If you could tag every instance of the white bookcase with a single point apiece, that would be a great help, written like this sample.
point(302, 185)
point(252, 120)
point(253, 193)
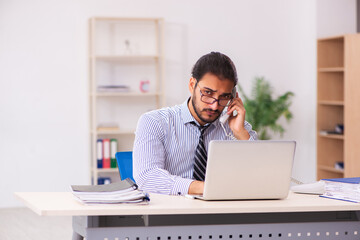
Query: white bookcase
point(123, 52)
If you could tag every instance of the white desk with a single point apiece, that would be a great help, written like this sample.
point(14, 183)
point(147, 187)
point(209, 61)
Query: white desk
point(176, 217)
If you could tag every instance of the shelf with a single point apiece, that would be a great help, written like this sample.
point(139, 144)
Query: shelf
point(124, 52)
point(338, 71)
point(336, 38)
point(332, 103)
point(116, 19)
point(330, 169)
point(332, 136)
point(107, 170)
point(126, 57)
point(125, 94)
point(331, 69)
point(116, 132)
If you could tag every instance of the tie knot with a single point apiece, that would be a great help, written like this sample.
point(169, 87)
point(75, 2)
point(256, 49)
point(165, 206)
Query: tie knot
point(201, 128)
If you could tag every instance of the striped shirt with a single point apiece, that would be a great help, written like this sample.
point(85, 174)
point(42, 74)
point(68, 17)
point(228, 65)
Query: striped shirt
point(164, 148)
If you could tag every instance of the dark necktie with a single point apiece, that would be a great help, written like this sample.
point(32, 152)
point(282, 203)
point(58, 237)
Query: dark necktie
point(200, 156)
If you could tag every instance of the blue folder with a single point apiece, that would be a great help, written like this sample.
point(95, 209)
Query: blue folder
point(354, 180)
point(125, 165)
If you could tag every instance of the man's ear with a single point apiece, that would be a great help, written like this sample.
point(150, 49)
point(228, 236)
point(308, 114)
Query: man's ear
point(192, 84)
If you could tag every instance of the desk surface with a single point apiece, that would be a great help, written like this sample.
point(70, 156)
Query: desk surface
point(64, 204)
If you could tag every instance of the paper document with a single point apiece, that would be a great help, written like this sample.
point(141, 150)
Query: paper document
point(120, 192)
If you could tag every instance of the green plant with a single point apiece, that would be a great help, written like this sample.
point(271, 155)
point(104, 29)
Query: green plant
point(262, 112)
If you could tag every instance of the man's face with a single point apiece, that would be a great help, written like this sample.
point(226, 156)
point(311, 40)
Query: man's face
point(208, 86)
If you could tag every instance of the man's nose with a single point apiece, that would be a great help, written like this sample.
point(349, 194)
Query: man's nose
point(214, 105)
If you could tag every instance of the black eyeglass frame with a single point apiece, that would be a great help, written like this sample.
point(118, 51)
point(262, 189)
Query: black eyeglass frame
point(202, 95)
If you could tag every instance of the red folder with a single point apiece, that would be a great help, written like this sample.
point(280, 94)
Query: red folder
point(106, 151)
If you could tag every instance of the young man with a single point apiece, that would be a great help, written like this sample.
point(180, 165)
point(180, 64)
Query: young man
point(170, 147)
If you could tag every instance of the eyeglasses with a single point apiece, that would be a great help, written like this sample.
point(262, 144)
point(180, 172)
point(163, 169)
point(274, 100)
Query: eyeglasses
point(222, 101)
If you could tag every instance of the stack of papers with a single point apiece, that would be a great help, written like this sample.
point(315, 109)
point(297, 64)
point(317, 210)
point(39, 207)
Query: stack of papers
point(120, 192)
point(346, 189)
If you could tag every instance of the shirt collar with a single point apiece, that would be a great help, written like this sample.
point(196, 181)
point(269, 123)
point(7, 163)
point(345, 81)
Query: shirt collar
point(187, 117)
point(186, 114)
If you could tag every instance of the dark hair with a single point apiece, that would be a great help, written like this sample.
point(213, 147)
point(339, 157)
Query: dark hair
point(216, 63)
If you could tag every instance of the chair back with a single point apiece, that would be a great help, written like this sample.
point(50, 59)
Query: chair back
point(124, 161)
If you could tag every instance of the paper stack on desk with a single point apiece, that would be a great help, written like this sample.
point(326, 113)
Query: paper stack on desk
point(119, 192)
point(346, 189)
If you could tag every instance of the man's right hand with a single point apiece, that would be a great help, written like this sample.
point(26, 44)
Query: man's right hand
point(196, 188)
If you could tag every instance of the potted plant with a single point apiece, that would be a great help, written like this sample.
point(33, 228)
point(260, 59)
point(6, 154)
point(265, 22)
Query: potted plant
point(262, 111)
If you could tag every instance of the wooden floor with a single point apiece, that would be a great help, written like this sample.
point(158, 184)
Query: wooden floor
point(23, 224)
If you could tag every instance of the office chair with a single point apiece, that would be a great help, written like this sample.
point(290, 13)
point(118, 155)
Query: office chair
point(124, 161)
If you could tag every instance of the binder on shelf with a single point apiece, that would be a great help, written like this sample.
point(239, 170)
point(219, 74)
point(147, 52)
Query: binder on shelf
point(99, 153)
point(345, 189)
point(104, 180)
point(106, 153)
point(339, 165)
point(113, 151)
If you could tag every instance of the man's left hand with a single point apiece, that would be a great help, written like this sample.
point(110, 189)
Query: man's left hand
point(236, 123)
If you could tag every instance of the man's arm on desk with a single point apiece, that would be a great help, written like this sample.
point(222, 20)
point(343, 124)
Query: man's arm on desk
point(149, 160)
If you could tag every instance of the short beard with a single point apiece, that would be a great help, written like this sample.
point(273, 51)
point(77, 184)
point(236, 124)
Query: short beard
point(198, 114)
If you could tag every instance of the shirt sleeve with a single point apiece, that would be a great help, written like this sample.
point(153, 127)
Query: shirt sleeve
point(149, 158)
point(252, 133)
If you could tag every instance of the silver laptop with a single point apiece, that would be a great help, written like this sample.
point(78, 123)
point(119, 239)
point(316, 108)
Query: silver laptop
point(248, 170)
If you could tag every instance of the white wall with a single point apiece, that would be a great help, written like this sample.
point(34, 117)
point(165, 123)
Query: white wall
point(44, 140)
point(335, 17)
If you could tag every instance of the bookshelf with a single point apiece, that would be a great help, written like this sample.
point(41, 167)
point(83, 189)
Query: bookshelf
point(338, 101)
point(125, 53)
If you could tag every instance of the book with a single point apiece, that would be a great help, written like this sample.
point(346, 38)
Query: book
point(113, 150)
point(99, 153)
point(125, 191)
point(113, 88)
point(107, 129)
point(106, 153)
point(325, 132)
point(108, 126)
point(346, 189)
